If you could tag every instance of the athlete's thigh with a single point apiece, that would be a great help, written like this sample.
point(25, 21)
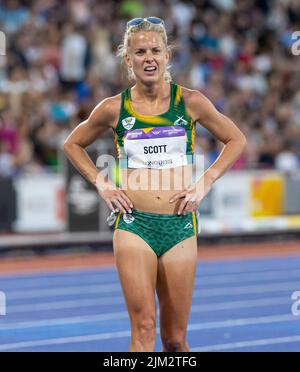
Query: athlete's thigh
point(137, 268)
point(175, 283)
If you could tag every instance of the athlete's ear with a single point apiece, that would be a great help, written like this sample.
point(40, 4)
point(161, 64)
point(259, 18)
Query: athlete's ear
point(127, 60)
point(168, 55)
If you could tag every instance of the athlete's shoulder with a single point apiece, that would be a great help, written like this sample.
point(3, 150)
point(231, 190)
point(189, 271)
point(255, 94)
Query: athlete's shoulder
point(111, 104)
point(196, 102)
point(108, 110)
point(192, 96)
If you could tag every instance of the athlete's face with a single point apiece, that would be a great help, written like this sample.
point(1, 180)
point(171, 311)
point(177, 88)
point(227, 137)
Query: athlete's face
point(147, 56)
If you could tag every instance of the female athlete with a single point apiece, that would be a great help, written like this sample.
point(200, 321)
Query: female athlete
point(154, 242)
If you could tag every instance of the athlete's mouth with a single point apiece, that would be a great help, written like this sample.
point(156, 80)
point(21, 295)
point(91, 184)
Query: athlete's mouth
point(150, 69)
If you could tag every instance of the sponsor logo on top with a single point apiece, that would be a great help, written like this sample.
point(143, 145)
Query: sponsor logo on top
point(180, 121)
point(156, 131)
point(133, 134)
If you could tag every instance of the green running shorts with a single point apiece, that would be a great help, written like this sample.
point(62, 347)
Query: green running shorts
point(160, 231)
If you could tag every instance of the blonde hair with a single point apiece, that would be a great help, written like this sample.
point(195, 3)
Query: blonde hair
point(144, 26)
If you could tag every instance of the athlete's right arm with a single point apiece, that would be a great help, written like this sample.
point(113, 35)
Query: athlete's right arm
point(101, 118)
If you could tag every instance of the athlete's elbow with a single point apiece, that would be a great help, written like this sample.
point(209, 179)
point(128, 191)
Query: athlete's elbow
point(68, 146)
point(242, 141)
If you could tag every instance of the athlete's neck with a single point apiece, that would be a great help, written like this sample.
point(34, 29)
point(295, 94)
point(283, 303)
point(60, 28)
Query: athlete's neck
point(152, 94)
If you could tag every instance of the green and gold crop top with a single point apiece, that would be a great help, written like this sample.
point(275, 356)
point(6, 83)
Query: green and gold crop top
point(161, 141)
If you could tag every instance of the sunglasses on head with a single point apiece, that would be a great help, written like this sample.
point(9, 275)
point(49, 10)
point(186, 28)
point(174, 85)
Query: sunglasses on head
point(138, 21)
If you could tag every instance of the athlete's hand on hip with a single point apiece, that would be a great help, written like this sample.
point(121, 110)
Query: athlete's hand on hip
point(192, 196)
point(114, 197)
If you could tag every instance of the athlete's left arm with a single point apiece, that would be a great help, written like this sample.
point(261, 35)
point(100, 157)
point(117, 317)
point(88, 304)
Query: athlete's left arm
point(203, 111)
point(223, 128)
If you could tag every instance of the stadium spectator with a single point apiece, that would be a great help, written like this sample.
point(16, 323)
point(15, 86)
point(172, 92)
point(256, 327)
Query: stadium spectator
point(61, 60)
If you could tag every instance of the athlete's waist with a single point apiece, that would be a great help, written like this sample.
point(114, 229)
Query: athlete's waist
point(152, 215)
point(154, 201)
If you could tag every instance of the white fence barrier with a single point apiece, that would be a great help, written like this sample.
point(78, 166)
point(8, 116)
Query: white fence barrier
point(239, 201)
point(40, 203)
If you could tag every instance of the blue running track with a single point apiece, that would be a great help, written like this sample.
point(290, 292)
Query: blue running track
point(238, 305)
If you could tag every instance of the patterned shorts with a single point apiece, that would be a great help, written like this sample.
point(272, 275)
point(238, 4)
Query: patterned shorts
point(160, 231)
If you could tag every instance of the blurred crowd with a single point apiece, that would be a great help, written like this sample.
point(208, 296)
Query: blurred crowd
point(61, 61)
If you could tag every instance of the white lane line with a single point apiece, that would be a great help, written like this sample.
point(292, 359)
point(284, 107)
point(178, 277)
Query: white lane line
point(56, 292)
point(64, 321)
point(49, 306)
point(199, 279)
point(244, 278)
point(99, 278)
point(59, 305)
point(124, 315)
point(121, 334)
point(207, 269)
point(232, 305)
point(67, 272)
point(65, 340)
point(243, 322)
point(244, 290)
point(99, 289)
point(239, 265)
point(253, 343)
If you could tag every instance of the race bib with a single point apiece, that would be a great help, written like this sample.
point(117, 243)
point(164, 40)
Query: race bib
point(159, 148)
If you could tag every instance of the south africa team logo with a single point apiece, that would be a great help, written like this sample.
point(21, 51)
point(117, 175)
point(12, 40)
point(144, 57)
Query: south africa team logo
point(128, 123)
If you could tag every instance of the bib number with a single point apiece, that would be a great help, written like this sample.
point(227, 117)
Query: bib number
point(158, 148)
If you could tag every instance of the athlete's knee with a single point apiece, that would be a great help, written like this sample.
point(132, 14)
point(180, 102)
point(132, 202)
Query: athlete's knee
point(145, 328)
point(174, 343)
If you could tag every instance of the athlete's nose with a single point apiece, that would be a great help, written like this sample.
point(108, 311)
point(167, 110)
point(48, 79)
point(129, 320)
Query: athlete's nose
point(149, 56)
